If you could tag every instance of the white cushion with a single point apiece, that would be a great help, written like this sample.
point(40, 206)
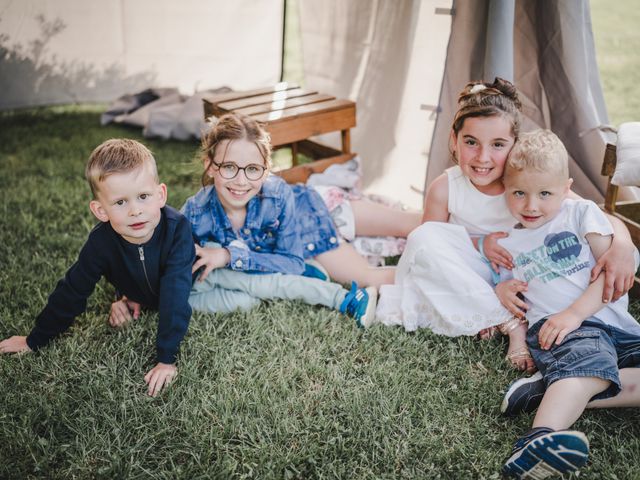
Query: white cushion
point(627, 156)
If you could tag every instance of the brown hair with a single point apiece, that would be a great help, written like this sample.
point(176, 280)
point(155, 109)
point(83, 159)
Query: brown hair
point(117, 155)
point(233, 126)
point(483, 99)
point(540, 150)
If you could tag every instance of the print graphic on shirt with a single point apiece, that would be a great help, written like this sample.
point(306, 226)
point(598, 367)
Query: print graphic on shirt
point(557, 257)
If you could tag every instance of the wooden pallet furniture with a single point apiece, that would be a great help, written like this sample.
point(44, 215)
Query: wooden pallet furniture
point(627, 211)
point(292, 115)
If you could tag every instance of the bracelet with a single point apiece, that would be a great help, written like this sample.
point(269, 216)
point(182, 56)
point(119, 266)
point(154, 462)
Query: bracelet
point(495, 277)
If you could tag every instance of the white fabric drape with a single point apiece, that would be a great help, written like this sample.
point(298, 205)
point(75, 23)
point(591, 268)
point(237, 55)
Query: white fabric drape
point(97, 50)
point(387, 56)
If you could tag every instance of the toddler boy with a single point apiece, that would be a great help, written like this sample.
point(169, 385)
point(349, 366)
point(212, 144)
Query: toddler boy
point(587, 351)
point(141, 246)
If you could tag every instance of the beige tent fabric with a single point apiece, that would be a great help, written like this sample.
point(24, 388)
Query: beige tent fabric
point(75, 50)
point(388, 57)
point(554, 68)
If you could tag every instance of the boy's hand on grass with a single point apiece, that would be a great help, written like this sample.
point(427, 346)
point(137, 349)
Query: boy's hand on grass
point(557, 328)
point(160, 376)
point(507, 292)
point(210, 258)
point(497, 255)
point(15, 344)
point(123, 311)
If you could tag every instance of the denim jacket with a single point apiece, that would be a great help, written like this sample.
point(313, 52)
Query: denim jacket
point(269, 240)
point(283, 225)
point(317, 231)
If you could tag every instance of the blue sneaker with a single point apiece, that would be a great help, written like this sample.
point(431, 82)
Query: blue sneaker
point(523, 395)
point(313, 269)
point(360, 303)
point(542, 453)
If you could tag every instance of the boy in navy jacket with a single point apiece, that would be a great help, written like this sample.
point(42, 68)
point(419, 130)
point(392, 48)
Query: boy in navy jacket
point(144, 248)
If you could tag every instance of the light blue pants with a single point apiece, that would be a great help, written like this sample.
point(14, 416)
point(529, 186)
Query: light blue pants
point(226, 290)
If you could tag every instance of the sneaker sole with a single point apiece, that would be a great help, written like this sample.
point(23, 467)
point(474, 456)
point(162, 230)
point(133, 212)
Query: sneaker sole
point(553, 454)
point(519, 398)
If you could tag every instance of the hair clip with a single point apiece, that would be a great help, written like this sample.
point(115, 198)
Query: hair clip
point(478, 87)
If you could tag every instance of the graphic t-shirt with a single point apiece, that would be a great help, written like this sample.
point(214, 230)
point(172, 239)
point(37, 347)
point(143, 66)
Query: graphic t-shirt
point(556, 261)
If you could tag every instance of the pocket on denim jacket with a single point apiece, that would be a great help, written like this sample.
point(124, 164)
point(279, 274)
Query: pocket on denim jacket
point(309, 226)
point(266, 237)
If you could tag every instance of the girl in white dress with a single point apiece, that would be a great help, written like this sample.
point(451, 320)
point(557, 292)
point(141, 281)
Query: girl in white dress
point(444, 279)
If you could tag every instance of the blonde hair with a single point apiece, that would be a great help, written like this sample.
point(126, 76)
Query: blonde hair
point(234, 126)
point(540, 150)
point(117, 155)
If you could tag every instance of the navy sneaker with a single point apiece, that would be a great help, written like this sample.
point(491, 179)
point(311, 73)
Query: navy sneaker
point(360, 303)
point(543, 452)
point(523, 395)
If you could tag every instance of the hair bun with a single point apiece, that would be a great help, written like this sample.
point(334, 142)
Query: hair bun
point(475, 92)
point(508, 89)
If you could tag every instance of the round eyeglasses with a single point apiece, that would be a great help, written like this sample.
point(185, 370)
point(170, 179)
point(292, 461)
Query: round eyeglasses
point(230, 170)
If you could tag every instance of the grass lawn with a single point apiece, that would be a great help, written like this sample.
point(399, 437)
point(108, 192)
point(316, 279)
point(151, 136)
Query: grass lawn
point(286, 391)
point(617, 41)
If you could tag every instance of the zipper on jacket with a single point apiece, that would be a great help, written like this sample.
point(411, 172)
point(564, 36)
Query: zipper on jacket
point(144, 268)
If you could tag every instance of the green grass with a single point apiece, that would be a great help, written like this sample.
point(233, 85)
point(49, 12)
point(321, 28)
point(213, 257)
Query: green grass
point(285, 391)
point(617, 39)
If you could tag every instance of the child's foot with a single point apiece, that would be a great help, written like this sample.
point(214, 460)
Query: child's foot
point(360, 303)
point(523, 395)
point(542, 453)
point(518, 353)
point(488, 333)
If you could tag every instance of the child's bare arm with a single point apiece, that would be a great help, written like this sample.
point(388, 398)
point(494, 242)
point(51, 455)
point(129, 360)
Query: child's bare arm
point(15, 344)
point(160, 376)
point(436, 202)
point(617, 262)
point(561, 324)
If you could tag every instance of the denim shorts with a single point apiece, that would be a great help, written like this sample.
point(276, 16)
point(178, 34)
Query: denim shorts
point(593, 350)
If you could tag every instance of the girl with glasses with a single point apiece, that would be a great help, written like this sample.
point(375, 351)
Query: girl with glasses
point(245, 220)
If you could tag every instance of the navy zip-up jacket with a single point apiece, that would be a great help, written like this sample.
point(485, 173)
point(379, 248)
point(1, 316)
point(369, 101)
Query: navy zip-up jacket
point(156, 274)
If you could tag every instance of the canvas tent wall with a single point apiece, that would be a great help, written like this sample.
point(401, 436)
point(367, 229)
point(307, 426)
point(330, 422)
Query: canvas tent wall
point(96, 50)
point(402, 61)
point(545, 47)
point(388, 57)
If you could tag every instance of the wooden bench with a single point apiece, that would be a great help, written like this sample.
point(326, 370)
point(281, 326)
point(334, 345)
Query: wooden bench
point(291, 115)
point(627, 211)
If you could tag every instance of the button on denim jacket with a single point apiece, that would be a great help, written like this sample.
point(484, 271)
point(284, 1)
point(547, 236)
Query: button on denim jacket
point(284, 224)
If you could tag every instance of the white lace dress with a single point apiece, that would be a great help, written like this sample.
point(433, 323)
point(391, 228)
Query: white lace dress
point(442, 281)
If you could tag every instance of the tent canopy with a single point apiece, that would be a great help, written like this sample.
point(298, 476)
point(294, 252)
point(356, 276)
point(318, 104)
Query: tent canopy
point(403, 63)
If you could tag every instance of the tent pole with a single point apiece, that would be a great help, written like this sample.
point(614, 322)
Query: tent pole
point(284, 38)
